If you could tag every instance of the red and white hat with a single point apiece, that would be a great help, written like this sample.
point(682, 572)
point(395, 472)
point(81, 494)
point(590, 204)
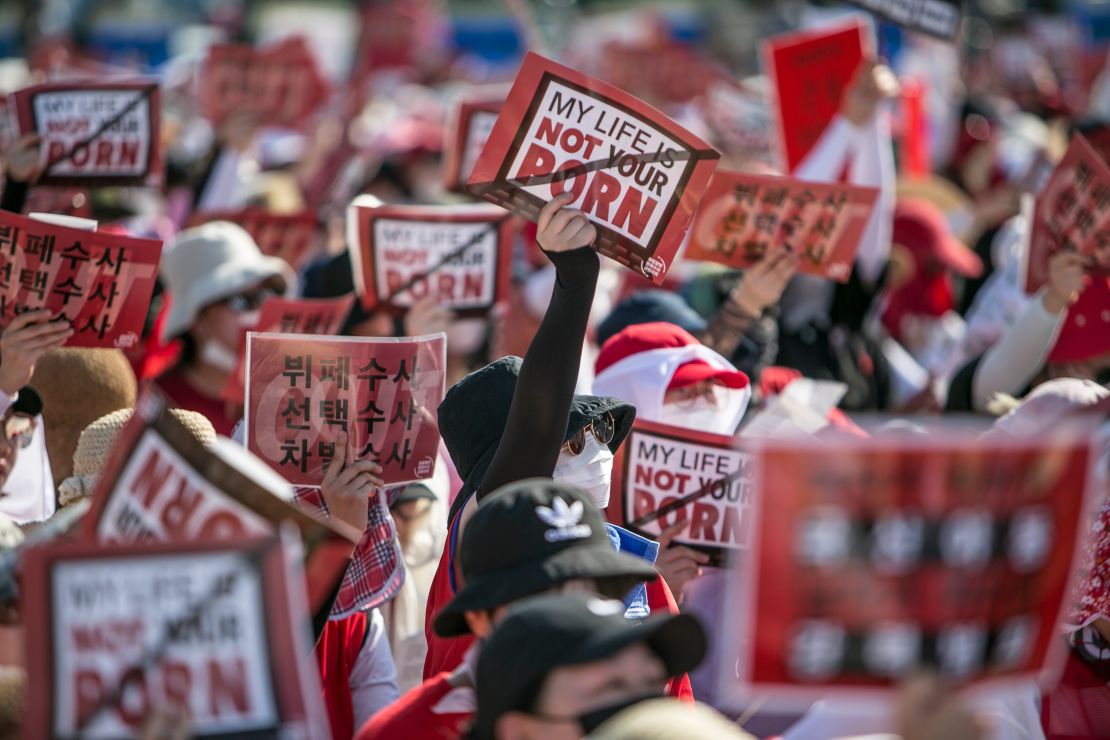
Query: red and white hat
point(642, 362)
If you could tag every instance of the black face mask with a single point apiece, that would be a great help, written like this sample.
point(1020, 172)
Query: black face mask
point(590, 721)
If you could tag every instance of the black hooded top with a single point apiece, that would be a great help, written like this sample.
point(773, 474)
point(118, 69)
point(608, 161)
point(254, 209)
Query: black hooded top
point(507, 421)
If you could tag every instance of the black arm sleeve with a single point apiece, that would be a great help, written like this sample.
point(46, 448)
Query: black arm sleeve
point(15, 195)
point(540, 410)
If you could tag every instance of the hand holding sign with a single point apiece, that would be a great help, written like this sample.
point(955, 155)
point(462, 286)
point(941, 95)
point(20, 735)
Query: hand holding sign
point(872, 84)
point(561, 229)
point(22, 161)
point(1066, 280)
point(347, 488)
point(678, 565)
point(762, 285)
point(30, 336)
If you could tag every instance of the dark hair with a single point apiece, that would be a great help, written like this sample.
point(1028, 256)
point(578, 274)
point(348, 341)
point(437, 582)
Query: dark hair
point(189, 350)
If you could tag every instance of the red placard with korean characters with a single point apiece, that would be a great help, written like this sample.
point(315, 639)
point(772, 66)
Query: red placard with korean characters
point(279, 83)
point(873, 558)
point(1071, 214)
point(303, 392)
point(161, 484)
point(470, 128)
point(669, 474)
point(809, 71)
point(402, 254)
point(218, 631)
point(290, 236)
point(637, 175)
point(743, 217)
point(101, 283)
point(289, 316)
point(102, 133)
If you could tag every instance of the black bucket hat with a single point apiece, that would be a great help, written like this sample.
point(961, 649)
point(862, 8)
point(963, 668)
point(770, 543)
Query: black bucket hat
point(529, 537)
point(474, 412)
point(551, 631)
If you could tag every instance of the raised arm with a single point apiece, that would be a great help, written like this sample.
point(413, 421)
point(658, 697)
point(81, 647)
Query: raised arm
point(540, 410)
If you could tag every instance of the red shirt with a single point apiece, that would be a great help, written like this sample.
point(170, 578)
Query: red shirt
point(1079, 706)
point(184, 396)
point(336, 654)
point(411, 716)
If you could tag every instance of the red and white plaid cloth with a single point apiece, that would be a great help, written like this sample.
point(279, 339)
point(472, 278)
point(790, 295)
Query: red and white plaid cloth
point(1093, 599)
point(377, 569)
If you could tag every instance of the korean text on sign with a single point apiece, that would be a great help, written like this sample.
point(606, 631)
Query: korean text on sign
point(743, 217)
point(874, 558)
point(303, 392)
point(100, 283)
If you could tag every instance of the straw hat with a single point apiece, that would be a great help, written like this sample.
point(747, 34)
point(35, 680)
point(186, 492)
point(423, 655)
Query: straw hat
point(97, 441)
point(77, 387)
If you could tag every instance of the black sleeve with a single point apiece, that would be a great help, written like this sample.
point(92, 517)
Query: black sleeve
point(15, 195)
point(540, 410)
point(960, 388)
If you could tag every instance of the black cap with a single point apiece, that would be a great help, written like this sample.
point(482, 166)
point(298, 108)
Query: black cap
point(556, 630)
point(411, 492)
point(28, 402)
point(649, 306)
point(529, 537)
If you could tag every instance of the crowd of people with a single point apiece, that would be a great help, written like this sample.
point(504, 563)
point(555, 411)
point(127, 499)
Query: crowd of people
point(516, 609)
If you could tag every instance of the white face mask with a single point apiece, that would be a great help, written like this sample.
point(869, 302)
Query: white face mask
point(719, 416)
point(214, 353)
point(591, 470)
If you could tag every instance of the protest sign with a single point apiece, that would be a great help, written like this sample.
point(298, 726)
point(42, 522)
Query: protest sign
point(872, 558)
point(633, 172)
point(461, 255)
point(279, 84)
point(809, 72)
point(161, 484)
point(743, 217)
point(470, 128)
point(940, 18)
point(289, 316)
point(289, 236)
point(302, 392)
point(218, 632)
point(102, 133)
point(661, 72)
point(100, 283)
point(659, 466)
point(740, 118)
point(1071, 214)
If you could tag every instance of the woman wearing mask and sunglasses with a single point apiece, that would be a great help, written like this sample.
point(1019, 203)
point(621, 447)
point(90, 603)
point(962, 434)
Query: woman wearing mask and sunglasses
point(217, 279)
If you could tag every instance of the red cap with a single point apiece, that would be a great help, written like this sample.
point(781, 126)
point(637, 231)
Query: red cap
point(921, 227)
point(661, 335)
point(1086, 330)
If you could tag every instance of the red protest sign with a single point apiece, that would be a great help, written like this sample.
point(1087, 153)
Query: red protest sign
point(280, 83)
point(809, 71)
point(215, 631)
point(660, 465)
point(103, 133)
point(874, 557)
point(742, 217)
point(289, 316)
point(302, 392)
point(161, 484)
point(402, 254)
point(663, 72)
point(470, 128)
point(633, 172)
point(1071, 214)
point(289, 236)
point(101, 283)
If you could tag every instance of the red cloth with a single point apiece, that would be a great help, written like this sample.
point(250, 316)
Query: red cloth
point(655, 335)
point(412, 715)
point(1079, 707)
point(184, 396)
point(336, 653)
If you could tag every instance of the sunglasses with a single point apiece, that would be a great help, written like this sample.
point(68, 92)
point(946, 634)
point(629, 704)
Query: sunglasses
point(19, 430)
point(603, 429)
point(249, 301)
